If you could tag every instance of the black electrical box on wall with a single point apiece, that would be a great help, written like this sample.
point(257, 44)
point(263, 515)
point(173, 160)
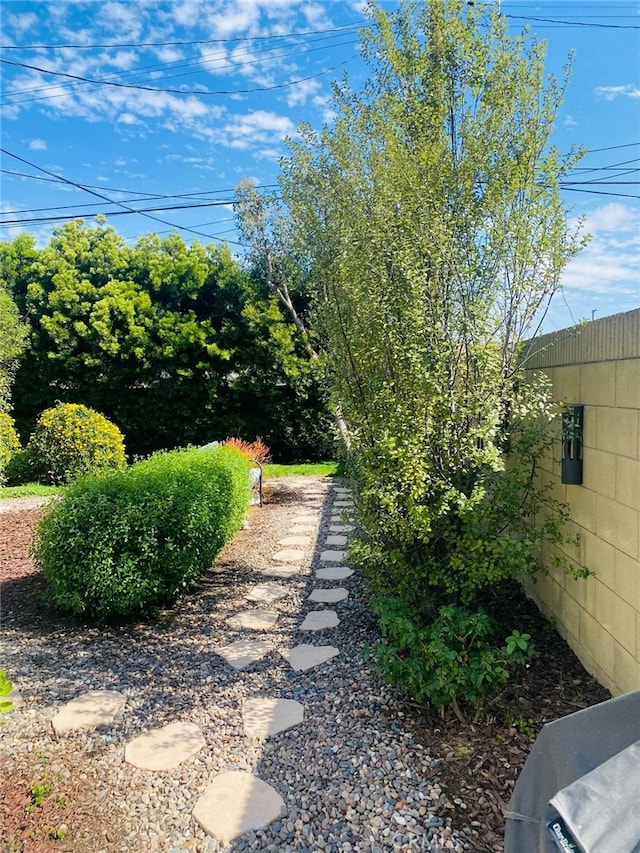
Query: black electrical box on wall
point(572, 431)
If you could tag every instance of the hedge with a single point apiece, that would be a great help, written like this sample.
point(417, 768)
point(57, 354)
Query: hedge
point(119, 544)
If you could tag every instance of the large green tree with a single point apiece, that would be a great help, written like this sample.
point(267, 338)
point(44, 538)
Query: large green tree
point(174, 343)
point(434, 232)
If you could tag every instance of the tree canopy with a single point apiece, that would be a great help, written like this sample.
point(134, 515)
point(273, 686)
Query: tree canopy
point(176, 344)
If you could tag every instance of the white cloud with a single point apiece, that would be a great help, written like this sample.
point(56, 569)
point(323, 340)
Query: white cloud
point(298, 94)
point(569, 121)
point(629, 90)
point(251, 131)
point(21, 23)
point(608, 266)
point(37, 145)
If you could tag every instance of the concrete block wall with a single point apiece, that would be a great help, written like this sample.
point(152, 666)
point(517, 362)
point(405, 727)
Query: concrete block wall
point(598, 365)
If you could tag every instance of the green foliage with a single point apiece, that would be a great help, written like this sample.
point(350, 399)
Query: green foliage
point(9, 442)
point(13, 335)
point(454, 660)
point(22, 468)
point(430, 219)
point(177, 344)
point(70, 440)
point(6, 687)
point(119, 544)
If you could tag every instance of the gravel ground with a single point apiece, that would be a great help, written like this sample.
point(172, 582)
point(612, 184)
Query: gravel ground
point(353, 775)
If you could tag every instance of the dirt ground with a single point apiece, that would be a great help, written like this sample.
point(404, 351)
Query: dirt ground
point(479, 763)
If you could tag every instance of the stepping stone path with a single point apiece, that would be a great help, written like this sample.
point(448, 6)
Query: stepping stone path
point(254, 620)
point(237, 802)
point(333, 556)
point(267, 593)
point(319, 620)
point(263, 718)
point(329, 596)
point(243, 653)
point(165, 748)
point(304, 657)
point(334, 573)
point(92, 709)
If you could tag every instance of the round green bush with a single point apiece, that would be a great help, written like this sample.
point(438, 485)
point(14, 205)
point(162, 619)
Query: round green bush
point(119, 544)
point(9, 442)
point(70, 439)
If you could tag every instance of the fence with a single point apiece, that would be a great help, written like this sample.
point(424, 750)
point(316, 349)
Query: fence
point(597, 365)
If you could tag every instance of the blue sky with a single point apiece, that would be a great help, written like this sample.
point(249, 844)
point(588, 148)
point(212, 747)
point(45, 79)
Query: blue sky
point(207, 90)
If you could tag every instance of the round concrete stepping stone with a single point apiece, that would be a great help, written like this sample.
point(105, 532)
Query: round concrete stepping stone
point(305, 518)
point(334, 573)
point(242, 653)
point(341, 528)
point(333, 556)
point(254, 620)
point(289, 555)
point(318, 620)
point(329, 596)
point(237, 802)
point(267, 593)
point(335, 540)
point(165, 748)
point(302, 529)
point(284, 572)
point(264, 718)
point(92, 709)
point(295, 540)
point(304, 657)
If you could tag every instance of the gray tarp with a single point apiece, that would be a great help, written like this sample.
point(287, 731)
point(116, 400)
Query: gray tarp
point(565, 751)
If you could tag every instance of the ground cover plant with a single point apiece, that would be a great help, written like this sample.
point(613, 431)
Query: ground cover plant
point(119, 544)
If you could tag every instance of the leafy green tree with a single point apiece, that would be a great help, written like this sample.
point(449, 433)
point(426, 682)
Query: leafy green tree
point(13, 335)
point(173, 343)
point(435, 234)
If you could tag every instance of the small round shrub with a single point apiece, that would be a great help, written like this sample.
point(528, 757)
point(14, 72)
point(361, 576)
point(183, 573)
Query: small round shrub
point(119, 544)
point(9, 442)
point(70, 439)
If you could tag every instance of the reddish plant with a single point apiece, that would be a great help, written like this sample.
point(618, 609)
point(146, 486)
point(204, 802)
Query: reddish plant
point(256, 450)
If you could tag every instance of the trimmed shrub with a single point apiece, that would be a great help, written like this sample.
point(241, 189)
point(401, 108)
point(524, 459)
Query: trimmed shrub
point(70, 440)
point(9, 442)
point(119, 544)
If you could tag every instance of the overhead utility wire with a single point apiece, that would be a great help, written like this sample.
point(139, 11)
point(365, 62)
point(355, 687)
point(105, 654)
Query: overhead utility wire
point(197, 64)
point(173, 91)
point(575, 23)
point(107, 199)
point(132, 192)
point(350, 28)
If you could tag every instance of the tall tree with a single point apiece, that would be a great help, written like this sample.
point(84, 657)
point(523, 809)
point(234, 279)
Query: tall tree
point(435, 235)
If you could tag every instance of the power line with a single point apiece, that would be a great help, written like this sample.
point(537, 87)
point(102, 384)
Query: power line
point(131, 192)
point(575, 23)
point(170, 91)
point(198, 64)
point(189, 43)
point(107, 199)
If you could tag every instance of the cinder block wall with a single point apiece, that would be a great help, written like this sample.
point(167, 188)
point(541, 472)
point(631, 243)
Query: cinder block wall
point(598, 365)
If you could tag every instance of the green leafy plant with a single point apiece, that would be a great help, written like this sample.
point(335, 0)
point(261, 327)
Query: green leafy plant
point(6, 687)
point(70, 440)
point(9, 442)
point(453, 660)
point(40, 791)
point(119, 544)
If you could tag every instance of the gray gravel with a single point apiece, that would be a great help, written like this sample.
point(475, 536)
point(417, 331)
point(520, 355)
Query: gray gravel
point(352, 775)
